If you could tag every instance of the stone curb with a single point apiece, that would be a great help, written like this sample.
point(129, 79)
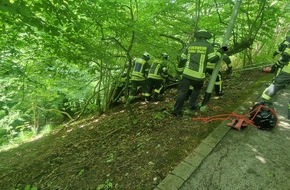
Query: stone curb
point(175, 179)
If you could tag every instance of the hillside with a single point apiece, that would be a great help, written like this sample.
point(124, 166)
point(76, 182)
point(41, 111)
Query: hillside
point(121, 149)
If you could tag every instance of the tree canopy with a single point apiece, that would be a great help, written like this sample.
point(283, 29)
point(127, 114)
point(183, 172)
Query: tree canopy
point(60, 59)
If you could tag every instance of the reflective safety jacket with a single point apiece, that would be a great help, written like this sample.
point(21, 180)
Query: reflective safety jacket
point(286, 68)
point(158, 70)
point(226, 59)
point(140, 70)
point(181, 64)
point(285, 59)
point(198, 54)
point(282, 47)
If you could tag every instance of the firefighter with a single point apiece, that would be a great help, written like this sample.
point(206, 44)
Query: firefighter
point(156, 78)
point(196, 55)
point(180, 67)
point(119, 90)
point(138, 77)
point(210, 66)
point(283, 77)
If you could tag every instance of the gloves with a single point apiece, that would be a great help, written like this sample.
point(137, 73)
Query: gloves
point(267, 70)
point(222, 50)
point(275, 67)
point(225, 48)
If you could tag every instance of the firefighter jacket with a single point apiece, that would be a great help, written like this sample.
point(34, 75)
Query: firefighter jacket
point(282, 47)
point(122, 80)
point(158, 70)
point(285, 59)
point(284, 52)
point(181, 64)
point(226, 59)
point(198, 54)
point(140, 70)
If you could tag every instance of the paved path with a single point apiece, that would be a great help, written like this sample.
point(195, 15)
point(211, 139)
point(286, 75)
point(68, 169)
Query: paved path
point(250, 159)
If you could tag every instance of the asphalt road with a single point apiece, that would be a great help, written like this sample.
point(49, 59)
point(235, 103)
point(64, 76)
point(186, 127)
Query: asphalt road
point(249, 159)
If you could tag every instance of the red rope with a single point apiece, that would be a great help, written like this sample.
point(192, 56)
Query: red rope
point(244, 117)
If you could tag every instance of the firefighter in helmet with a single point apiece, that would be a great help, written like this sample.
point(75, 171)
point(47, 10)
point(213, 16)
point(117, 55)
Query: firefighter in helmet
point(263, 118)
point(156, 78)
point(138, 77)
point(119, 86)
point(282, 78)
point(196, 55)
point(210, 66)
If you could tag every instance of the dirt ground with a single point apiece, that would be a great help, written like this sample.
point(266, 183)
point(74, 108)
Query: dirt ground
point(121, 149)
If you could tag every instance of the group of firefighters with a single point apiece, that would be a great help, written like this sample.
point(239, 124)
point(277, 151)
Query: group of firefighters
point(198, 59)
point(148, 79)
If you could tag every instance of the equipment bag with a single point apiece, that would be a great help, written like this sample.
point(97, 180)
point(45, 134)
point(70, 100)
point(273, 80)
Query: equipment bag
point(264, 116)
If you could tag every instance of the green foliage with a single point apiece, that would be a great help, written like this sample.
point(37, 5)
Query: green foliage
point(59, 59)
point(29, 187)
point(105, 186)
point(159, 116)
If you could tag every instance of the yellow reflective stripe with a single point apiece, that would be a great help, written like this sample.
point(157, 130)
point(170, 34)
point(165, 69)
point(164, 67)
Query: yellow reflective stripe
point(213, 54)
point(201, 63)
point(137, 74)
point(218, 83)
point(183, 56)
point(157, 90)
point(154, 76)
point(180, 69)
point(286, 68)
point(193, 73)
point(265, 96)
point(146, 94)
point(287, 50)
point(197, 49)
point(137, 78)
point(210, 65)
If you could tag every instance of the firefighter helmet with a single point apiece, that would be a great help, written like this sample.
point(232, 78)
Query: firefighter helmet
point(202, 34)
point(146, 56)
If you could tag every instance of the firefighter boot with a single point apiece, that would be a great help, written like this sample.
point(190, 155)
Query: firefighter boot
point(218, 90)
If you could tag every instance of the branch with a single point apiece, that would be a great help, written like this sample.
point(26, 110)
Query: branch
point(174, 38)
point(56, 110)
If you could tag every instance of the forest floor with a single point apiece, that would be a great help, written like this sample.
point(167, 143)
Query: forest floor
point(120, 149)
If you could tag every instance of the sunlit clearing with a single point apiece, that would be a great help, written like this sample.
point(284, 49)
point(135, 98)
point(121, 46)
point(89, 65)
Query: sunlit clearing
point(261, 159)
point(25, 137)
point(122, 111)
point(95, 121)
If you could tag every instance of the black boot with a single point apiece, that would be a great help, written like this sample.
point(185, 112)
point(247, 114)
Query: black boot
point(218, 90)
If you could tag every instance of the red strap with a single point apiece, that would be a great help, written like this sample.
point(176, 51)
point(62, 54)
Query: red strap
point(238, 117)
